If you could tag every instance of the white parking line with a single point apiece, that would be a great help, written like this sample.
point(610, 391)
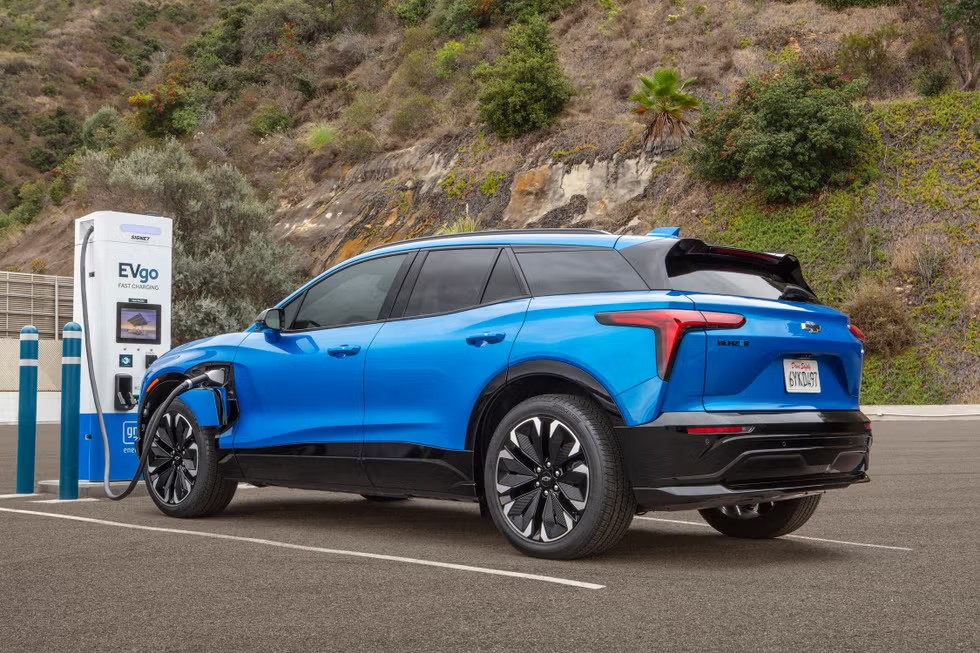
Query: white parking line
point(66, 500)
point(795, 537)
point(18, 496)
point(317, 549)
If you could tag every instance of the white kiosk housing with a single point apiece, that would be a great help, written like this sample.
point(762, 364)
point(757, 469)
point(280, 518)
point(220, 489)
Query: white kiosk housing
point(128, 267)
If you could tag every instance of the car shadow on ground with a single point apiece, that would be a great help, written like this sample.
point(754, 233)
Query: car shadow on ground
point(419, 523)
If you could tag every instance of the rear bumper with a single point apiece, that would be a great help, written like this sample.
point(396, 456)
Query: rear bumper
point(783, 455)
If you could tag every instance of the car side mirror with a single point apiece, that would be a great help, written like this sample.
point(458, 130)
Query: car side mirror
point(272, 319)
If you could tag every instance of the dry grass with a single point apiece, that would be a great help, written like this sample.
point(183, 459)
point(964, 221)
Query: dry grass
point(971, 395)
point(880, 314)
point(969, 273)
point(920, 256)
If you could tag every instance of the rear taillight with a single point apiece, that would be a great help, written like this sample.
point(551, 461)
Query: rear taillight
point(857, 332)
point(670, 325)
point(718, 430)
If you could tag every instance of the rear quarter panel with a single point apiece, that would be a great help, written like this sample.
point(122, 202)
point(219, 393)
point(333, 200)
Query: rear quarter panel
point(623, 359)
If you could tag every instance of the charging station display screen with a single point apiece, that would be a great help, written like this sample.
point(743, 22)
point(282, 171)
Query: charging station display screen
point(138, 323)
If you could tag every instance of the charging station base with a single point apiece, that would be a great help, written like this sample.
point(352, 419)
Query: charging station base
point(91, 489)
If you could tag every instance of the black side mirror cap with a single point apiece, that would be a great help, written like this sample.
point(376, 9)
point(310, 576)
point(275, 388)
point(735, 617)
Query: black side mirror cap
point(272, 319)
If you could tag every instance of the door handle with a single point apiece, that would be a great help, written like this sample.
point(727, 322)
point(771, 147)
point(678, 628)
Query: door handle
point(485, 339)
point(344, 350)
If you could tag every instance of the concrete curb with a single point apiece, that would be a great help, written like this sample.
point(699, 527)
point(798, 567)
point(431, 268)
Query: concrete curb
point(91, 489)
point(911, 413)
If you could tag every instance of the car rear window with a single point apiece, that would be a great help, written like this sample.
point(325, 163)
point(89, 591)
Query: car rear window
point(577, 270)
point(744, 283)
point(692, 266)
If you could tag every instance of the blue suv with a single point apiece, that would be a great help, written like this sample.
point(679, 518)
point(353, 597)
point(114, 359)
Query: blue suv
point(564, 379)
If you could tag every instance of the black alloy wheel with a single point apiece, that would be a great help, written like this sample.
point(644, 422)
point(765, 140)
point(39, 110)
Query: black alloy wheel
point(554, 482)
point(182, 474)
point(542, 479)
point(762, 520)
point(172, 465)
point(747, 511)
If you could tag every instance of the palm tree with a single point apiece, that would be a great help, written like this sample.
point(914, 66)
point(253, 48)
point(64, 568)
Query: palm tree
point(663, 102)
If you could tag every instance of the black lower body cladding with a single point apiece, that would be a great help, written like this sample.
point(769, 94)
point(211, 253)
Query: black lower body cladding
point(778, 455)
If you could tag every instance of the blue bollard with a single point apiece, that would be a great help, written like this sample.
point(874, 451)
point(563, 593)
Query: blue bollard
point(71, 370)
point(27, 411)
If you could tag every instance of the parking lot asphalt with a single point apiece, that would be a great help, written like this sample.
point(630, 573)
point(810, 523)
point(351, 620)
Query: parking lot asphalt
point(892, 565)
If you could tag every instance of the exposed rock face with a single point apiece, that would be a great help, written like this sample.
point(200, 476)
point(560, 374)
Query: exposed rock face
point(582, 192)
point(415, 191)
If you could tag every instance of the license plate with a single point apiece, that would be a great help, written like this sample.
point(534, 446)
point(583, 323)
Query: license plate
point(801, 375)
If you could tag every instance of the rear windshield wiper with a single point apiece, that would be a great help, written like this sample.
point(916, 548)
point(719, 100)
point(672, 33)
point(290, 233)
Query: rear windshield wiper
point(797, 294)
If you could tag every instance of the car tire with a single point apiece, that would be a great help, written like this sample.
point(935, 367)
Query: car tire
point(763, 520)
point(382, 499)
point(182, 475)
point(578, 505)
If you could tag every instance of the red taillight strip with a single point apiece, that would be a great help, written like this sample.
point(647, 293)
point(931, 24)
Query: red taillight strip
point(857, 332)
point(715, 430)
point(670, 325)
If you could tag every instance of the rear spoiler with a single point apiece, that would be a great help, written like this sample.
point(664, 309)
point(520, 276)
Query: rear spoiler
point(690, 254)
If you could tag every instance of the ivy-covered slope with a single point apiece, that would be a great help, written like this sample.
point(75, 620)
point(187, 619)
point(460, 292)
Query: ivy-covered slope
point(909, 222)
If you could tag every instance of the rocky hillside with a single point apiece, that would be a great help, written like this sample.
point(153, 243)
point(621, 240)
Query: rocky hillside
point(360, 122)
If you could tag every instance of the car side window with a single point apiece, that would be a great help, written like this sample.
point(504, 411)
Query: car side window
point(291, 309)
point(503, 283)
point(352, 295)
point(450, 280)
point(568, 270)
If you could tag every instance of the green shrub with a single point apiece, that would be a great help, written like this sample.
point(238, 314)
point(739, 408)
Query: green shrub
point(269, 119)
point(306, 21)
point(490, 184)
point(219, 48)
point(216, 288)
point(454, 185)
point(18, 29)
point(320, 134)
point(41, 158)
point(27, 203)
point(61, 133)
point(358, 146)
point(789, 133)
point(883, 318)
point(456, 17)
point(168, 109)
point(411, 12)
point(866, 54)
point(361, 112)
point(416, 113)
point(447, 57)
point(60, 189)
point(524, 88)
point(932, 82)
point(100, 129)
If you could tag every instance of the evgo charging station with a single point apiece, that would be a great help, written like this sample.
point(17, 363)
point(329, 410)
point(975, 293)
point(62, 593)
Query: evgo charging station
point(122, 297)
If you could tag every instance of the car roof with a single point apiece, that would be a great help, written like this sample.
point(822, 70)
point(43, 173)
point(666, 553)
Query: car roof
point(583, 237)
point(579, 237)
